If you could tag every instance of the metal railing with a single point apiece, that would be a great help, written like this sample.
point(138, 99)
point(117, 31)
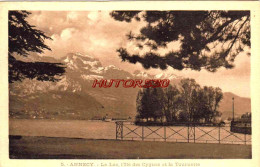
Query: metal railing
point(195, 133)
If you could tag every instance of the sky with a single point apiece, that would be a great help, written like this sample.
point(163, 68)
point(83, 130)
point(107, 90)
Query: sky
point(96, 34)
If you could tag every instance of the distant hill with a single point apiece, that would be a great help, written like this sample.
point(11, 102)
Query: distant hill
point(241, 105)
point(56, 104)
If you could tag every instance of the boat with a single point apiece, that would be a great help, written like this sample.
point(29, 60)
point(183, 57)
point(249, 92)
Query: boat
point(108, 119)
point(240, 127)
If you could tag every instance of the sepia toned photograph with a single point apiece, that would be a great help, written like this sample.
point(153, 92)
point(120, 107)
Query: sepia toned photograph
point(129, 84)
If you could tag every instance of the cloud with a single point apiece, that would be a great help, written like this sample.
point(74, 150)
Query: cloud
point(72, 16)
point(95, 33)
point(66, 34)
point(236, 80)
point(89, 32)
point(93, 16)
point(242, 67)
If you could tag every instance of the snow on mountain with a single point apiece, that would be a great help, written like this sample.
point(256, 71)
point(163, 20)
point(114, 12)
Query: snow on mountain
point(81, 70)
point(91, 77)
point(158, 76)
point(82, 63)
point(98, 70)
point(166, 76)
point(89, 68)
point(111, 67)
point(142, 75)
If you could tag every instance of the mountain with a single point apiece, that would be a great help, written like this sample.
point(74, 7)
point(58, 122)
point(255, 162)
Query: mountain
point(73, 97)
point(55, 104)
point(174, 79)
point(77, 82)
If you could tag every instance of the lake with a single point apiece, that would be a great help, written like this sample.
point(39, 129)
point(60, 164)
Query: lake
point(107, 130)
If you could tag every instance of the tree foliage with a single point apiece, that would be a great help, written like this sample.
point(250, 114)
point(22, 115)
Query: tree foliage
point(157, 104)
point(188, 89)
point(150, 103)
point(206, 39)
point(23, 39)
point(188, 103)
point(143, 102)
point(173, 103)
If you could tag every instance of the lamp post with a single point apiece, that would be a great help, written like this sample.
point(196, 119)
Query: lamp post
point(233, 119)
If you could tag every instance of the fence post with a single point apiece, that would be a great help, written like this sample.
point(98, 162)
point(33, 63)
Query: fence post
point(119, 130)
point(142, 133)
point(164, 133)
point(116, 130)
point(245, 136)
point(122, 130)
point(188, 133)
point(219, 133)
point(194, 133)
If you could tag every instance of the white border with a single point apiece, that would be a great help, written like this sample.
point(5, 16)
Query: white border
point(253, 6)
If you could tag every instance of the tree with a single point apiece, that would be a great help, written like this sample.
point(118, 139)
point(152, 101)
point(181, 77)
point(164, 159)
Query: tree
point(212, 98)
point(198, 104)
point(149, 103)
point(183, 116)
point(139, 105)
point(173, 103)
point(207, 39)
point(24, 39)
point(143, 103)
point(158, 102)
point(188, 86)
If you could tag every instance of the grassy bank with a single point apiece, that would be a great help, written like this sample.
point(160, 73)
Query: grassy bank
point(71, 148)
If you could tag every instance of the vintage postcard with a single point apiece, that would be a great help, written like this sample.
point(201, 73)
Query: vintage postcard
point(144, 84)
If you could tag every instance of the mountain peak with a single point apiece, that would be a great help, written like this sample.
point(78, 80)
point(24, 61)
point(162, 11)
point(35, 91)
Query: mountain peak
point(78, 55)
point(141, 74)
point(111, 67)
point(166, 76)
point(82, 62)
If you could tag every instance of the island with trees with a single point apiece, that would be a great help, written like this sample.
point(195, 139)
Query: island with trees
point(180, 104)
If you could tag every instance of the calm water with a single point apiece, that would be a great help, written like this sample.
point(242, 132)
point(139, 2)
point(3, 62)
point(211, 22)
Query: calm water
point(63, 128)
point(107, 130)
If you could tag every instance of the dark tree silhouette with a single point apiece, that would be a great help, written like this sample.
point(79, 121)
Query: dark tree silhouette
point(149, 103)
point(207, 39)
point(157, 103)
point(188, 87)
point(143, 102)
point(23, 38)
point(186, 102)
point(173, 103)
